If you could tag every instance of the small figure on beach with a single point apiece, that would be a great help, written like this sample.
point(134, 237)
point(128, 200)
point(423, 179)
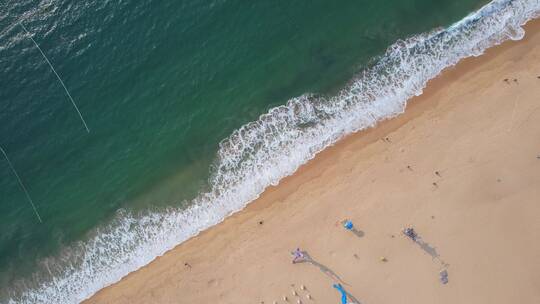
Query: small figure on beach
point(187, 265)
point(298, 256)
point(410, 233)
point(443, 276)
point(347, 224)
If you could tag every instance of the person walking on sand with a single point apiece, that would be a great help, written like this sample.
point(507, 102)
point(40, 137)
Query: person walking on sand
point(298, 256)
point(409, 232)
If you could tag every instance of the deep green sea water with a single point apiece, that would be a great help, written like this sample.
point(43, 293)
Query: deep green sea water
point(160, 84)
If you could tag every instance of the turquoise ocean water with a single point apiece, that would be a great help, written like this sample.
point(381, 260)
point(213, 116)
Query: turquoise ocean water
point(194, 108)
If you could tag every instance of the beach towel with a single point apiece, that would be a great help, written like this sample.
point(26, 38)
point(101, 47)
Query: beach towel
point(343, 293)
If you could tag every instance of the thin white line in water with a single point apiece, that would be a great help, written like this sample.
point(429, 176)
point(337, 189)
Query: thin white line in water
point(57, 76)
point(22, 185)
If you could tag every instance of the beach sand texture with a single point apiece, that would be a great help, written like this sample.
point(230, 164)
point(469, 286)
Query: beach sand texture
point(461, 166)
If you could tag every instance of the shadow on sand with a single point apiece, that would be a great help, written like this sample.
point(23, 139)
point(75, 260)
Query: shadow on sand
point(431, 250)
point(358, 233)
point(329, 272)
point(350, 296)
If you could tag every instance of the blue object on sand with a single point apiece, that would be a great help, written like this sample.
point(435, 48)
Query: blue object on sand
point(348, 225)
point(343, 293)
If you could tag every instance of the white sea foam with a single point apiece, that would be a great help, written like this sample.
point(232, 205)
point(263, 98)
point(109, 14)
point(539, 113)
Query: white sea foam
point(261, 153)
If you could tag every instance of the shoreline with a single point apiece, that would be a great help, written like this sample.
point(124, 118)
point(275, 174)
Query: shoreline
point(277, 203)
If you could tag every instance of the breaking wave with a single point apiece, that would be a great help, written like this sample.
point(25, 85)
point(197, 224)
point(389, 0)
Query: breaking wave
point(261, 153)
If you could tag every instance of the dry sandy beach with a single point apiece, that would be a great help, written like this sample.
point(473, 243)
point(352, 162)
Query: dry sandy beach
point(461, 165)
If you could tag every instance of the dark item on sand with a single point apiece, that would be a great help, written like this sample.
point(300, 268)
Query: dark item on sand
point(443, 276)
point(410, 233)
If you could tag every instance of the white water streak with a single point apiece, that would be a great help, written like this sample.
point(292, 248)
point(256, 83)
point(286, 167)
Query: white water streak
point(57, 76)
point(22, 184)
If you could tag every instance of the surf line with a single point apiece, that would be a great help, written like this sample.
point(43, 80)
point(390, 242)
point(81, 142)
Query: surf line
point(21, 184)
point(57, 76)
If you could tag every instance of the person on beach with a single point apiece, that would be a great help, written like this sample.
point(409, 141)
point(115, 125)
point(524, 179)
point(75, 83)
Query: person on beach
point(410, 233)
point(298, 256)
point(443, 276)
point(348, 224)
